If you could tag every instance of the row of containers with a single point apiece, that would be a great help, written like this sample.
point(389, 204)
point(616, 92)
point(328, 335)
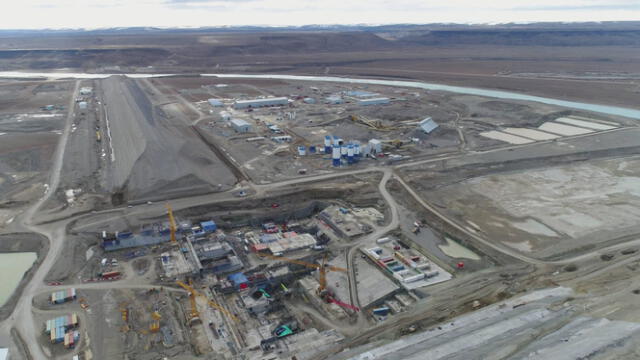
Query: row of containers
point(338, 150)
point(61, 329)
point(63, 296)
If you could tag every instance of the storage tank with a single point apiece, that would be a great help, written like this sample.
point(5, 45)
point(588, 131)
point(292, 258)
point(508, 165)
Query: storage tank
point(343, 151)
point(336, 141)
point(302, 151)
point(350, 152)
point(312, 149)
point(336, 155)
point(356, 151)
point(327, 144)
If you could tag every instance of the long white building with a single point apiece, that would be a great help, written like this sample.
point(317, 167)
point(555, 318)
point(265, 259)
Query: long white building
point(256, 103)
point(373, 101)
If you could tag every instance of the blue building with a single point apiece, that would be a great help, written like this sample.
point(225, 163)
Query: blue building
point(209, 226)
point(239, 280)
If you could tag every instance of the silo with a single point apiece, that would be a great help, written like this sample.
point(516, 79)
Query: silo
point(343, 151)
point(302, 151)
point(336, 156)
point(356, 151)
point(327, 144)
point(350, 154)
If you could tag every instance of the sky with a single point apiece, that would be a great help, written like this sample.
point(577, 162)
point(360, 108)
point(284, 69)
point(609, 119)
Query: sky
point(56, 14)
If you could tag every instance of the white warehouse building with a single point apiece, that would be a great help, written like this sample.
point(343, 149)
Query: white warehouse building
point(240, 125)
point(427, 125)
point(256, 103)
point(373, 101)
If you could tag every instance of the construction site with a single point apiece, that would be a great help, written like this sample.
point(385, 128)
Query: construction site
point(222, 217)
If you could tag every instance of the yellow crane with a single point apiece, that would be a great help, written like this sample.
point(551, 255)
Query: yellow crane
point(172, 223)
point(193, 293)
point(322, 268)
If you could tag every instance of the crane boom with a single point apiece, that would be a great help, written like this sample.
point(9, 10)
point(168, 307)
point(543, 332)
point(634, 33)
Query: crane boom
point(195, 293)
point(322, 268)
point(303, 263)
point(192, 299)
point(172, 223)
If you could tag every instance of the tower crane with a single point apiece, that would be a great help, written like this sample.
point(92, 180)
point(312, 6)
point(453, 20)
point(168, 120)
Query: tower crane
point(193, 314)
point(172, 223)
point(322, 269)
point(193, 293)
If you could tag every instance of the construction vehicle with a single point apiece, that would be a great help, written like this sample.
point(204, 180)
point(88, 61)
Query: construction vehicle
point(193, 293)
point(172, 223)
point(286, 329)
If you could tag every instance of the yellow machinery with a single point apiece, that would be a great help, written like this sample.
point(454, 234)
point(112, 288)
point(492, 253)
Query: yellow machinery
point(322, 268)
point(194, 315)
point(374, 124)
point(155, 325)
point(193, 293)
point(125, 317)
point(172, 223)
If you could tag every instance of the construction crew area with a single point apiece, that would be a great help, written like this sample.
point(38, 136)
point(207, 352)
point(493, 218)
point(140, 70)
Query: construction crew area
point(206, 217)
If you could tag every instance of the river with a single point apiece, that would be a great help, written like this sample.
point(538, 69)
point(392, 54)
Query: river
point(603, 109)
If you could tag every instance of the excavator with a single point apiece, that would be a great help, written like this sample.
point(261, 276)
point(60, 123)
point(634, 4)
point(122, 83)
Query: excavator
point(322, 268)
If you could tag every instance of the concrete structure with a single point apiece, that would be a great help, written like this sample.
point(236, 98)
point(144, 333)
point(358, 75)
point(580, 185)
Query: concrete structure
point(215, 102)
point(373, 101)
point(222, 266)
point(291, 243)
point(256, 103)
point(428, 125)
point(240, 125)
point(213, 251)
point(135, 241)
point(257, 306)
point(345, 225)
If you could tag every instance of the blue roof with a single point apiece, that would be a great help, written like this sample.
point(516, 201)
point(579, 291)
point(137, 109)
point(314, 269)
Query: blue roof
point(208, 223)
point(237, 278)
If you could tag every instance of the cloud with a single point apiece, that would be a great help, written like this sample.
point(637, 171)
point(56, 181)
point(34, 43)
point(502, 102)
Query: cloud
point(195, 13)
